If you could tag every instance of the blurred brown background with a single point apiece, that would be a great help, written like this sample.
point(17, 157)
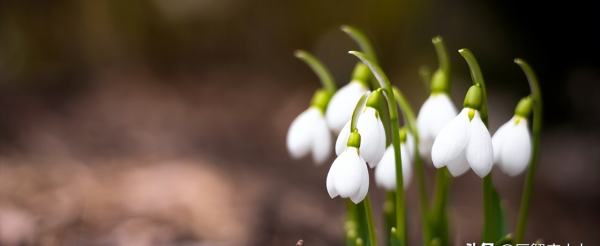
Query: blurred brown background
point(163, 122)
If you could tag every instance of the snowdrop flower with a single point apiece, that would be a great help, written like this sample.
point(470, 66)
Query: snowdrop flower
point(348, 175)
point(438, 109)
point(309, 132)
point(433, 115)
point(465, 141)
point(370, 127)
point(385, 172)
point(342, 103)
point(512, 142)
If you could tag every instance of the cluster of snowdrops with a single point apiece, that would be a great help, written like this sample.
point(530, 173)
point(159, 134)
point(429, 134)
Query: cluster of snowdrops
point(365, 116)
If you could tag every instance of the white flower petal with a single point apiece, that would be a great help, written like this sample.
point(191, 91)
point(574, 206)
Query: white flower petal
point(329, 181)
point(299, 135)
point(321, 141)
point(479, 150)
point(406, 165)
point(341, 105)
point(385, 172)
point(499, 138)
point(342, 140)
point(364, 187)
point(347, 172)
point(459, 165)
point(516, 149)
point(437, 110)
point(451, 140)
point(372, 136)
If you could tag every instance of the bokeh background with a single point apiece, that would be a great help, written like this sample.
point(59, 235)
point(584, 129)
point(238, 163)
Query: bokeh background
point(163, 122)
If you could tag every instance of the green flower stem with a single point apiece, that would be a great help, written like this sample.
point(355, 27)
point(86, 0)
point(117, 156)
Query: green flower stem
point(317, 66)
point(442, 54)
point(370, 223)
point(360, 105)
point(489, 225)
point(477, 79)
point(389, 213)
point(491, 230)
point(365, 46)
point(409, 118)
point(351, 227)
point(440, 82)
point(358, 227)
point(438, 211)
point(363, 42)
point(537, 129)
point(395, 127)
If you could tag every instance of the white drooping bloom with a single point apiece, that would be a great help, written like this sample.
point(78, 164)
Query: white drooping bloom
point(372, 143)
point(348, 176)
point(512, 146)
point(309, 134)
point(385, 173)
point(433, 115)
point(464, 143)
point(341, 106)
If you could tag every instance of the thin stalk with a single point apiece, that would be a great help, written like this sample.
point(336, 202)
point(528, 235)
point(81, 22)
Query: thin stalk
point(370, 223)
point(477, 78)
point(537, 129)
point(351, 227)
point(440, 50)
point(440, 81)
point(360, 105)
point(363, 42)
point(409, 118)
point(395, 127)
point(489, 225)
point(317, 66)
point(389, 213)
point(439, 205)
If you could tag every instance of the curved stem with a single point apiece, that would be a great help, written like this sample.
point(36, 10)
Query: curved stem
point(440, 81)
point(477, 79)
point(490, 209)
point(395, 127)
point(363, 42)
point(360, 105)
point(409, 118)
point(370, 223)
point(441, 53)
point(537, 129)
point(317, 66)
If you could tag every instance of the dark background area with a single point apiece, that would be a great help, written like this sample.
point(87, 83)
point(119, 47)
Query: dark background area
point(164, 122)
